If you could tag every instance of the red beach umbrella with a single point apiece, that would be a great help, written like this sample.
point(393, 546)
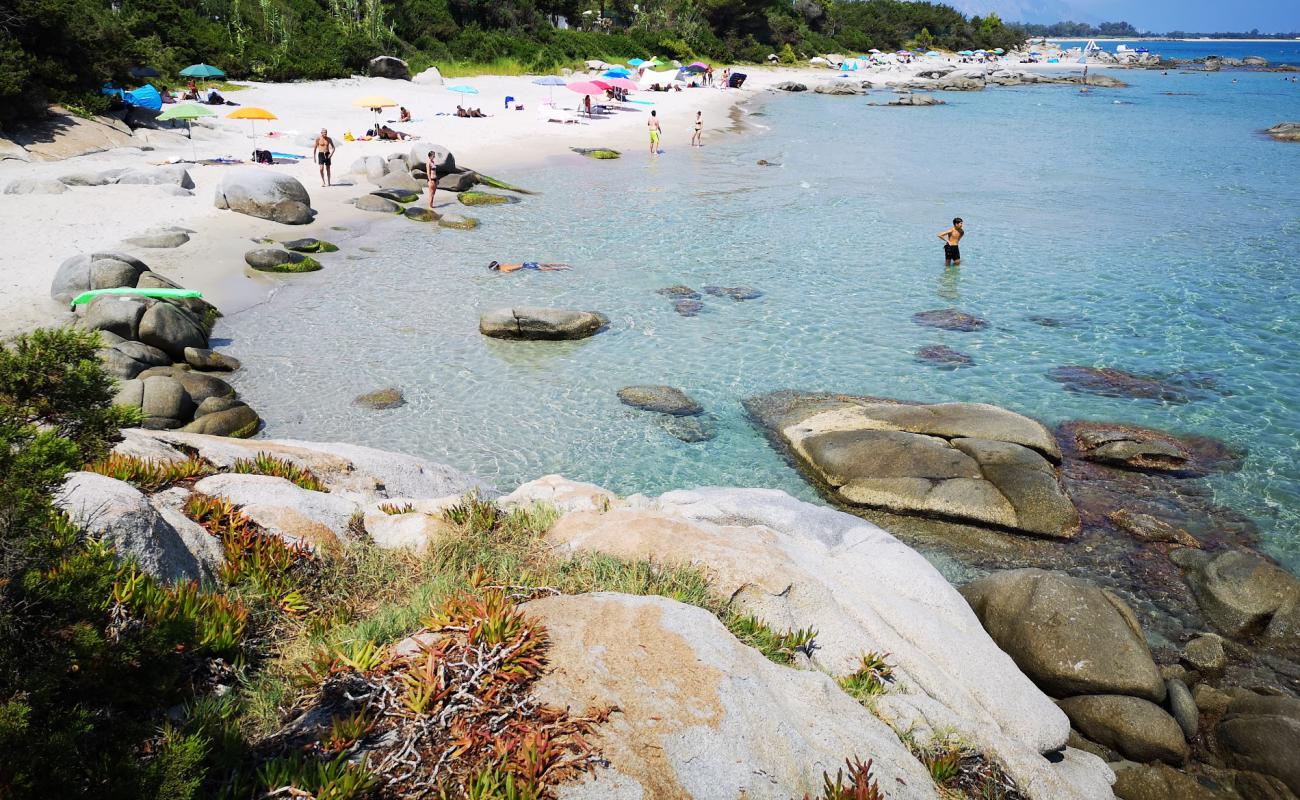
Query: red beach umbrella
point(603, 85)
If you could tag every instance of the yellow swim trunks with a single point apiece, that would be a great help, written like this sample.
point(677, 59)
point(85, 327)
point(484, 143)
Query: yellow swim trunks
point(654, 137)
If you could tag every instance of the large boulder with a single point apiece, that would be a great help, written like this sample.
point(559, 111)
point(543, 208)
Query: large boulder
point(1242, 594)
point(796, 565)
point(389, 67)
point(382, 205)
point(171, 329)
point(265, 194)
point(531, 322)
point(171, 175)
point(119, 315)
point(1137, 728)
point(840, 88)
point(296, 515)
point(35, 186)
point(430, 77)
point(164, 403)
point(969, 462)
point(121, 515)
point(698, 713)
point(401, 180)
point(106, 270)
point(233, 418)
point(1262, 734)
point(444, 162)
point(791, 86)
point(1067, 634)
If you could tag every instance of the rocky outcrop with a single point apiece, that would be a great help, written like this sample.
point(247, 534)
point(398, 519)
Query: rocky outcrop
point(1148, 450)
point(163, 545)
point(911, 99)
point(791, 86)
point(389, 67)
point(265, 194)
point(35, 186)
point(534, 323)
point(1243, 595)
point(1068, 635)
point(796, 565)
point(689, 700)
point(104, 270)
point(430, 77)
point(61, 134)
point(971, 462)
point(840, 88)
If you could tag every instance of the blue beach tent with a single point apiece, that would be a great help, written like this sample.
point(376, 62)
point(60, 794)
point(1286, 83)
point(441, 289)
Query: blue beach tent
point(145, 97)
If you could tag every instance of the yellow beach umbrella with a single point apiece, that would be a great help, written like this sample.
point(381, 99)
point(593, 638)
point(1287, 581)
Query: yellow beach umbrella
point(375, 102)
point(252, 114)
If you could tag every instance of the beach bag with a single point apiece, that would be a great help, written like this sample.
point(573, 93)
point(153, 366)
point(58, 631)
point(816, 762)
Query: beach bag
point(263, 157)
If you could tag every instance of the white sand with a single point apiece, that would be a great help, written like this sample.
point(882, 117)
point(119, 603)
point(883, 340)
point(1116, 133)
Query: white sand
point(40, 231)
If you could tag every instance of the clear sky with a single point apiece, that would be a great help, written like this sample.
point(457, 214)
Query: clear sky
point(1154, 15)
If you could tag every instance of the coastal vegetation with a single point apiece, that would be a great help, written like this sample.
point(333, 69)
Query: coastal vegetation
point(65, 50)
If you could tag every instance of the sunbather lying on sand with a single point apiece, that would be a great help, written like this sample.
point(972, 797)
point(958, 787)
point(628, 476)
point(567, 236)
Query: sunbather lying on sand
point(497, 266)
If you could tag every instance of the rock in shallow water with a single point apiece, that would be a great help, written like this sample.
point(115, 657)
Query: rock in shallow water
point(737, 293)
point(950, 319)
point(688, 308)
point(1243, 595)
point(1110, 382)
point(382, 399)
point(531, 322)
point(1148, 450)
point(661, 399)
point(679, 292)
point(1139, 729)
point(941, 355)
point(1262, 734)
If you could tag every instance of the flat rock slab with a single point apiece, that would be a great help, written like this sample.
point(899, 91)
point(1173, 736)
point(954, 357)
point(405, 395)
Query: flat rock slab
point(1132, 447)
point(599, 153)
point(737, 293)
point(660, 399)
point(485, 199)
point(966, 462)
point(381, 205)
point(310, 245)
point(530, 322)
point(159, 239)
point(381, 399)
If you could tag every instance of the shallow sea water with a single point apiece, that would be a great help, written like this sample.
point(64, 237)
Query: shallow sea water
point(1161, 229)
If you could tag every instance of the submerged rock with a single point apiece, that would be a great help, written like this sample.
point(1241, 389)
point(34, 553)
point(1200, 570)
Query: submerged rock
point(471, 198)
point(737, 293)
point(1067, 634)
point(457, 222)
point(688, 308)
point(1149, 529)
point(941, 355)
point(660, 399)
point(1244, 595)
point(691, 430)
point(1111, 382)
point(310, 245)
point(532, 322)
point(382, 399)
point(950, 319)
point(679, 292)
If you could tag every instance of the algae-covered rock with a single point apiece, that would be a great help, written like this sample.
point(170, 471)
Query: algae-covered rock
point(485, 199)
point(602, 153)
point(457, 222)
point(417, 214)
point(382, 399)
point(397, 195)
point(310, 245)
point(269, 259)
point(488, 180)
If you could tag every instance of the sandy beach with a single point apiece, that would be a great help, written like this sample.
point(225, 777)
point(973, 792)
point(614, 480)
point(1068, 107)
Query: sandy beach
point(42, 230)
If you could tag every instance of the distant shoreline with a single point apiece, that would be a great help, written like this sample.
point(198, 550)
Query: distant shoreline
point(1154, 39)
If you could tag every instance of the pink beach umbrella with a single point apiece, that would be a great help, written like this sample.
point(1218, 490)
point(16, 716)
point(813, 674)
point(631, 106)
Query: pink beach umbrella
point(603, 85)
point(585, 87)
point(623, 83)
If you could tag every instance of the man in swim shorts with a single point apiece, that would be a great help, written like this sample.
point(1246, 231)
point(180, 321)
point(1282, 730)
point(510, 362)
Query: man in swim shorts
point(497, 266)
point(951, 238)
point(655, 132)
point(324, 152)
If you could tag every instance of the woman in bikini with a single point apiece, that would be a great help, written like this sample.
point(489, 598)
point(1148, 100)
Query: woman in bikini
point(699, 129)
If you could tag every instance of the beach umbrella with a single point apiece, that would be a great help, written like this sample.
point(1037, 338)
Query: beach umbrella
point(550, 82)
point(699, 65)
point(252, 114)
point(187, 112)
point(873, 50)
point(635, 62)
point(375, 102)
point(932, 53)
point(999, 50)
point(616, 73)
point(203, 71)
point(603, 85)
point(462, 89)
point(585, 87)
point(623, 83)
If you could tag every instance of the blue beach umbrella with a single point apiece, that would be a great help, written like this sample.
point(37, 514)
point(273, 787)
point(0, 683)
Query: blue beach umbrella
point(463, 89)
point(932, 53)
point(617, 73)
point(635, 62)
point(550, 81)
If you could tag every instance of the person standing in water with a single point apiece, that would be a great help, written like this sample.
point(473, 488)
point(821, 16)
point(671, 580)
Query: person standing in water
point(699, 129)
point(655, 132)
point(951, 238)
point(323, 149)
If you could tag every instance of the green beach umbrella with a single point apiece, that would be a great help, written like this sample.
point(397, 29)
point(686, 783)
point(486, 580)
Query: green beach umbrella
point(187, 112)
point(202, 71)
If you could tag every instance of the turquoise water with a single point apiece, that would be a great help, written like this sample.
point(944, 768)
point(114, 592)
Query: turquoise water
point(1281, 51)
point(1162, 229)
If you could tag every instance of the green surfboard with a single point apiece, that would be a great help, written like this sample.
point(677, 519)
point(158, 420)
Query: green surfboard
point(86, 297)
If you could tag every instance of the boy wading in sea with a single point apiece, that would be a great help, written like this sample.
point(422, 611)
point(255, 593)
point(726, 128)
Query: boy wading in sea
point(655, 132)
point(324, 152)
point(951, 238)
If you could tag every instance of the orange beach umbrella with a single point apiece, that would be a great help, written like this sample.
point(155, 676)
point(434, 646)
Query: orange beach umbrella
point(375, 102)
point(252, 114)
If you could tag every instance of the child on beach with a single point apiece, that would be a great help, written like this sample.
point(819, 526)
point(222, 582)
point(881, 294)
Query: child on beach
point(951, 238)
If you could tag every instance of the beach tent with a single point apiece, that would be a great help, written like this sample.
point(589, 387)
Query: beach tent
point(144, 97)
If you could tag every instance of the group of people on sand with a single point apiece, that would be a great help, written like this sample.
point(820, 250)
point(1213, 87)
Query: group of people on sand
point(461, 111)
